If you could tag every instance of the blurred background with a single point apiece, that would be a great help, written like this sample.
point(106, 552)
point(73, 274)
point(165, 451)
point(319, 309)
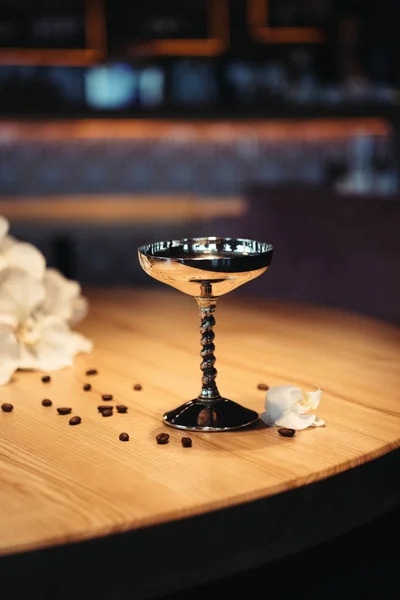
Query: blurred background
point(123, 122)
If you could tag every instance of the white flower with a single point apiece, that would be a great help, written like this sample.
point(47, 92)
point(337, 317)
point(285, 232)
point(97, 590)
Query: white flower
point(15, 254)
point(63, 298)
point(30, 338)
point(287, 406)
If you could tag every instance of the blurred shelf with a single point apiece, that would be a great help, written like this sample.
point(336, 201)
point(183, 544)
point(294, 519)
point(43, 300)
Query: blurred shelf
point(126, 210)
point(201, 132)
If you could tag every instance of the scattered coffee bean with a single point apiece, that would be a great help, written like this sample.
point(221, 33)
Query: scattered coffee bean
point(121, 408)
point(186, 442)
point(104, 407)
point(124, 437)
point(162, 438)
point(286, 432)
point(137, 387)
point(263, 386)
point(91, 372)
point(75, 421)
point(7, 407)
point(64, 410)
point(107, 397)
point(46, 378)
point(87, 387)
point(46, 402)
point(107, 413)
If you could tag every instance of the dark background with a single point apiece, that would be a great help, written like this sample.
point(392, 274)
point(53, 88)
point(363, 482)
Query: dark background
point(321, 64)
point(354, 69)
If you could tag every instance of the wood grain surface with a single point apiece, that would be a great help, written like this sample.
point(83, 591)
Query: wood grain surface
point(60, 483)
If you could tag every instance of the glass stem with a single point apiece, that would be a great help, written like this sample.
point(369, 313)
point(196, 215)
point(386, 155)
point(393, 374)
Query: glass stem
point(209, 391)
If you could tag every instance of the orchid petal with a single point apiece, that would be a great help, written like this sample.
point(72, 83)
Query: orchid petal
point(286, 406)
point(7, 242)
point(279, 400)
point(313, 398)
point(55, 349)
point(20, 293)
point(54, 362)
point(58, 345)
point(27, 258)
point(284, 395)
point(265, 417)
point(27, 357)
point(318, 422)
point(302, 409)
point(4, 227)
point(80, 307)
point(82, 344)
point(295, 421)
point(8, 354)
point(60, 295)
point(9, 320)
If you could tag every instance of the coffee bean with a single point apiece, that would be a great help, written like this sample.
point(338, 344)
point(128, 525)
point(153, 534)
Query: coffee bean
point(263, 386)
point(186, 442)
point(107, 397)
point(87, 387)
point(46, 402)
point(286, 432)
point(64, 410)
point(46, 378)
point(137, 387)
point(75, 421)
point(91, 372)
point(124, 437)
point(121, 408)
point(7, 407)
point(104, 407)
point(107, 413)
point(162, 438)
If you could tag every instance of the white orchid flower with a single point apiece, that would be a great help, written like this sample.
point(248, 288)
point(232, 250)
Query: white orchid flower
point(20, 255)
point(288, 406)
point(29, 338)
point(63, 298)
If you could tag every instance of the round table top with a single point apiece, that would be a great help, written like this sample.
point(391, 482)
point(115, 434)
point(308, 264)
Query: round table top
point(60, 483)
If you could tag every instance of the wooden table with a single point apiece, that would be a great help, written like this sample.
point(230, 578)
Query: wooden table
point(234, 500)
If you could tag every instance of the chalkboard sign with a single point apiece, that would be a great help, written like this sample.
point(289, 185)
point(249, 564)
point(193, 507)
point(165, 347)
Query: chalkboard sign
point(174, 27)
point(49, 32)
point(286, 21)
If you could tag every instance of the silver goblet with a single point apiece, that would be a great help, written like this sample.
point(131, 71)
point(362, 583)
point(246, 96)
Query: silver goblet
point(207, 268)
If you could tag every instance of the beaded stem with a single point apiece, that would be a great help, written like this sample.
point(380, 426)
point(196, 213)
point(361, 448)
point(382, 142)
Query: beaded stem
point(209, 389)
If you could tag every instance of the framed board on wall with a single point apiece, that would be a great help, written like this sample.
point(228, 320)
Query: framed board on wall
point(52, 32)
point(177, 27)
point(283, 22)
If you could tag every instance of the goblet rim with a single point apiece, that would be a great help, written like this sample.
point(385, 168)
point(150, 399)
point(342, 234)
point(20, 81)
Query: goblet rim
point(143, 249)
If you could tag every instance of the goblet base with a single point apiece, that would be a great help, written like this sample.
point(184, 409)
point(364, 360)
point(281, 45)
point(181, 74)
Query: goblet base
point(218, 415)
